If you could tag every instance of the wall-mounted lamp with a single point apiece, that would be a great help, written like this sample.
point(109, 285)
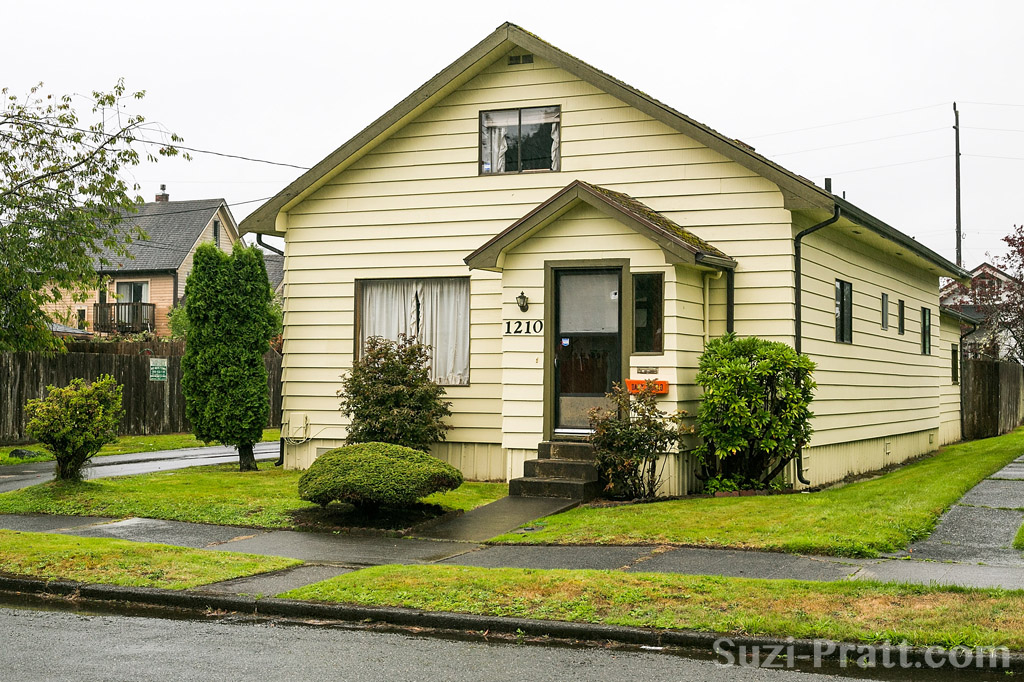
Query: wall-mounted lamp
point(522, 301)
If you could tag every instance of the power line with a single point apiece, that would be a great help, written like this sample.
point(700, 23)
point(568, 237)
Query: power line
point(990, 156)
point(839, 123)
point(994, 104)
point(888, 165)
point(224, 154)
point(851, 144)
point(998, 130)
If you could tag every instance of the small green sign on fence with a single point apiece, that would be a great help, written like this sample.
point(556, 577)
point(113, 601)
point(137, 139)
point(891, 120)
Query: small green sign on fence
point(158, 369)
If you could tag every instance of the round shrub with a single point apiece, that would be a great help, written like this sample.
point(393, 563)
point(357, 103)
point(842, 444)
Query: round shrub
point(376, 475)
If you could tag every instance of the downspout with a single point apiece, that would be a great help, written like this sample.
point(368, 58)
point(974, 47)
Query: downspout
point(268, 247)
point(798, 309)
point(707, 303)
point(963, 335)
point(279, 252)
point(730, 301)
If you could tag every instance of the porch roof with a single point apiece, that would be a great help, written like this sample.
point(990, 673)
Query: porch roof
point(679, 245)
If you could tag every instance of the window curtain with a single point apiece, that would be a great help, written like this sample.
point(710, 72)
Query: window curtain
point(494, 138)
point(545, 116)
point(434, 311)
point(555, 144)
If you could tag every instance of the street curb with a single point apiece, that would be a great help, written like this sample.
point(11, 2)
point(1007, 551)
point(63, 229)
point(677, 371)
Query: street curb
point(202, 603)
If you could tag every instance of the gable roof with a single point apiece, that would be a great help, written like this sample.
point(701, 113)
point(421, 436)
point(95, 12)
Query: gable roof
point(678, 244)
point(798, 192)
point(173, 228)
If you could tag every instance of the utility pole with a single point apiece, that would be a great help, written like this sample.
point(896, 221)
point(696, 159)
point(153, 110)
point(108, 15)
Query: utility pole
point(959, 233)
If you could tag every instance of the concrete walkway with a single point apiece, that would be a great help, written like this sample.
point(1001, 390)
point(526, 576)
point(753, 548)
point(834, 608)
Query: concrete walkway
point(972, 546)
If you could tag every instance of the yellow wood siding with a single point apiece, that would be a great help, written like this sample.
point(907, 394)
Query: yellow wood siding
point(415, 206)
point(949, 427)
point(881, 384)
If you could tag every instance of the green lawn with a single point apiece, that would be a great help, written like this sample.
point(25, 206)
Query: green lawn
point(217, 494)
point(862, 519)
point(126, 445)
point(120, 562)
point(843, 611)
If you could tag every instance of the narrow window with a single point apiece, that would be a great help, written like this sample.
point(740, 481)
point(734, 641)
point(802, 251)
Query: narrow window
point(954, 363)
point(844, 312)
point(902, 316)
point(517, 140)
point(434, 311)
point(885, 311)
point(103, 296)
point(216, 233)
point(81, 318)
point(926, 331)
point(648, 313)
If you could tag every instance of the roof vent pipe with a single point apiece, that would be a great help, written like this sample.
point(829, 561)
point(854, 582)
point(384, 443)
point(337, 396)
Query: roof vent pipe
point(828, 184)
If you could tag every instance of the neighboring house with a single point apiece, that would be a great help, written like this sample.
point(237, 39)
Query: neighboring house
point(987, 341)
point(275, 271)
point(140, 290)
point(549, 230)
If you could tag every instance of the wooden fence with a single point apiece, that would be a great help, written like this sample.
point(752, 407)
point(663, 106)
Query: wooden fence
point(151, 406)
point(993, 397)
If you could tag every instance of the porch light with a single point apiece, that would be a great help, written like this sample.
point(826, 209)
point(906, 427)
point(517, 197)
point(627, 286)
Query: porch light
point(522, 301)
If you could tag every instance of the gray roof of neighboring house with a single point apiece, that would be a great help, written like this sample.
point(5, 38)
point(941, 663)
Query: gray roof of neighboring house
point(58, 328)
point(173, 228)
point(275, 268)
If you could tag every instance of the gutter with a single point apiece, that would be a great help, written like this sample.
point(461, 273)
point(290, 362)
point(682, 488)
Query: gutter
point(798, 309)
point(268, 247)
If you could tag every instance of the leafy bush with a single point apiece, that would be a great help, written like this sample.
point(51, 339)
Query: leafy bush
point(755, 415)
point(75, 421)
point(629, 440)
point(389, 397)
point(376, 475)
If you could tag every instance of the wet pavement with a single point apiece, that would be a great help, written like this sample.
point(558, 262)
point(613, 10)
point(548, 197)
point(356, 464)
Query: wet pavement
point(17, 476)
point(971, 546)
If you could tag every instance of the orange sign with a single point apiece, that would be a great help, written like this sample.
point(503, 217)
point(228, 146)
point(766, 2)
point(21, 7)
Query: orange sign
point(635, 385)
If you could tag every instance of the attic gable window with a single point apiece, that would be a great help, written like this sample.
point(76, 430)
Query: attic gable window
point(520, 140)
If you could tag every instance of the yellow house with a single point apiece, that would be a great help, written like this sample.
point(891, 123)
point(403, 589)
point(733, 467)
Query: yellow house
point(139, 290)
point(549, 229)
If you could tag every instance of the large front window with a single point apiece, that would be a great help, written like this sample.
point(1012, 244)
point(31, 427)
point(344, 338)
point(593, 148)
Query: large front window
point(517, 140)
point(434, 311)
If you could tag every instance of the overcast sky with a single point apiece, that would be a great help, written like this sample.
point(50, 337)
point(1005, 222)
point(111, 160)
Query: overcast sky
point(858, 91)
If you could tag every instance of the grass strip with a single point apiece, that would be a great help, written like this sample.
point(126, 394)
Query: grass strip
point(120, 562)
point(126, 445)
point(216, 494)
point(860, 520)
point(844, 611)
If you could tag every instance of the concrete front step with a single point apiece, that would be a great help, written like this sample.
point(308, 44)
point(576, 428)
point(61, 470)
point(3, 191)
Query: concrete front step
point(567, 488)
point(560, 468)
point(558, 449)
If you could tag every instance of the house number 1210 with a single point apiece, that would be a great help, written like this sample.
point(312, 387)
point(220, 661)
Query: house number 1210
point(524, 326)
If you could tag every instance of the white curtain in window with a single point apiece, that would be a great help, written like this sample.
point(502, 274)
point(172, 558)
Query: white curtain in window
point(555, 144)
point(434, 311)
point(444, 326)
point(495, 126)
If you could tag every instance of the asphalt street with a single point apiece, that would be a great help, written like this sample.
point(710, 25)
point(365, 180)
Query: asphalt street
point(16, 476)
point(45, 646)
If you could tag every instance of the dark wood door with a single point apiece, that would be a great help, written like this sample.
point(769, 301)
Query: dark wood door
point(588, 343)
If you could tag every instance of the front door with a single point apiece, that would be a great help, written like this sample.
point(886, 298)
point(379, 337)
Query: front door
point(588, 344)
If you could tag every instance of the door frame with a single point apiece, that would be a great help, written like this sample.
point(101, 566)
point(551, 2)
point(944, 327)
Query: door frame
point(625, 324)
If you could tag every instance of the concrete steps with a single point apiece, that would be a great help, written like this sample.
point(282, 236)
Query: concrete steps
point(563, 469)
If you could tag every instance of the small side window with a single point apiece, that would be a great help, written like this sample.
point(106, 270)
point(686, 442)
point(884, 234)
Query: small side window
point(885, 311)
point(216, 233)
point(81, 318)
point(954, 363)
point(648, 306)
point(902, 317)
point(926, 331)
point(844, 312)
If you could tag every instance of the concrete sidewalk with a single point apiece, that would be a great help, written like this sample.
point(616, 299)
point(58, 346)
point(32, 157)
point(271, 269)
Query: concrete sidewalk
point(971, 547)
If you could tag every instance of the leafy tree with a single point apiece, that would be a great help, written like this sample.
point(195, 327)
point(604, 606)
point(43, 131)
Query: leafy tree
point(63, 201)
point(227, 300)
point(1001, 304)
point(75, 421)
point(389, 397)
point(177, 319)
point(629, 439)
point(755, 414)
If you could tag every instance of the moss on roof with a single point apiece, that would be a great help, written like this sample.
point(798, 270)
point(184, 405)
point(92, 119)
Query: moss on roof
point(649, 215)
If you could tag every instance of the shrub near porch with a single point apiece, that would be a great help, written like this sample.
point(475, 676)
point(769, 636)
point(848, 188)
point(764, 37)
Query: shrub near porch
point(861, 519)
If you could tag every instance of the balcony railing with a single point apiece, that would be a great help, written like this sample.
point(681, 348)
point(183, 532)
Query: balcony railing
point(124, 318)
